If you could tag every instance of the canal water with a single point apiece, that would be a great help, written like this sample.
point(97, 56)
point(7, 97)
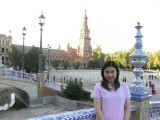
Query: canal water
point(15, 104)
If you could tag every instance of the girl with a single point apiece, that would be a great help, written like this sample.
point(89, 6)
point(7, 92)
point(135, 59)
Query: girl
point(111, 97)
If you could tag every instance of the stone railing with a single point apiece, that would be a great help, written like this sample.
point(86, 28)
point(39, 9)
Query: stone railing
point(154, 110)
point(13, 74)
point(89, 114)
point(53, 85)
point(84, 114)
point(30, 77)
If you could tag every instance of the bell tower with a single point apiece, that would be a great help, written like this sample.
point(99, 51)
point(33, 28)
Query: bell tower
point(84, 47)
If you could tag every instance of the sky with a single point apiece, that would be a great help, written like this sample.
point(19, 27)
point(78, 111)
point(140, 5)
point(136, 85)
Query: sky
point(111, 22)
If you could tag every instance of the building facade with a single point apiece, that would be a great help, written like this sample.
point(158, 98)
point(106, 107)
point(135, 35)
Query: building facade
point(75, 56)
point(5, 46)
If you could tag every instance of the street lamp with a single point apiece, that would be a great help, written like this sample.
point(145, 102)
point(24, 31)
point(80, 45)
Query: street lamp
point(48, 61)
point(23, 33)
point(41, 23)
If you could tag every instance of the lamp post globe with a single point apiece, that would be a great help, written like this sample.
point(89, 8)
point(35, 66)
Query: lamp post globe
point(23, 33)
point(41, 23)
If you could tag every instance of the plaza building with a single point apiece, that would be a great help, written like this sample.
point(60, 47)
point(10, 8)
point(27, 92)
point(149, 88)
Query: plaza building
point(75, 56)
point(5, 46)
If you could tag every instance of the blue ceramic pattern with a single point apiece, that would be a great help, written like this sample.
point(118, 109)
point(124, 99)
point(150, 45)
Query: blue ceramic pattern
point(138, 58)
point(84, 114)
point(138, 94)
point(133, 107)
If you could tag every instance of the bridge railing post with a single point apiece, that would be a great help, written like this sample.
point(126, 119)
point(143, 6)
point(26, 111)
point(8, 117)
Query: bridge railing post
point(40, 84)
point(62, 87)
point(138, 94)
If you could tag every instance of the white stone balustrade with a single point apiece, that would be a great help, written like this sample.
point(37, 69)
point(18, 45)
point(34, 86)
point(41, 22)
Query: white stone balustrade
point(13, 74)
point(154, 110)
point(84, 114)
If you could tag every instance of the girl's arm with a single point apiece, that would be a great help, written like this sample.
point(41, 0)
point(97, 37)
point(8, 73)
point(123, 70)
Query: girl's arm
point(98, 109)
point(127, 109)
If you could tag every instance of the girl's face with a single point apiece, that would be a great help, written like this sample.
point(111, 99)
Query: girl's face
point(110, 74)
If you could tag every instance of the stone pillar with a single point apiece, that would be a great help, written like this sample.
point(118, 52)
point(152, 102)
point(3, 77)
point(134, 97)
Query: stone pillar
point(40, 84)
point(62, 87)
point(138, 94)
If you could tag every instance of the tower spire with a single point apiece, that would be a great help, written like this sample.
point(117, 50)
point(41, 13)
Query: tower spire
point(59, 47)
point(85, 17)
point(85, 30)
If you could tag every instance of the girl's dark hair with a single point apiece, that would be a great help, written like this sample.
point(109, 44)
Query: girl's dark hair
point(104, 81)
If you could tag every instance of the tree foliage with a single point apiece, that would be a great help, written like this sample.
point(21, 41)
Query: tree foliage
point(65, 65)
point(77, 65)
point(74, 91)
point(15, 57)
point(97, 59)
point(31, 59)
point(55, 63)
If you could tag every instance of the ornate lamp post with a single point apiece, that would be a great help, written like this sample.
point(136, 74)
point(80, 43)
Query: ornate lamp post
point(48, 61)
point(41, 23)
point(23, 33)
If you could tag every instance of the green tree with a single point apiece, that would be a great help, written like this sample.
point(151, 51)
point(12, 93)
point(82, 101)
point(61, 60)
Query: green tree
point(149, 61)
point(130, 51)
point(32, 60)
point(74, 91)
point(107, 57)
point(93, 64)
point(15, 57)
point(65, 65)
point(101, 57)
point(124, 59)
point(55, 63)
point(77, 65)
point(156, 63)
point(97, 59)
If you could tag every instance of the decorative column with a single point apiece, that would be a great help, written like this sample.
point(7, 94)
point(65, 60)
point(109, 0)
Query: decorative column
point(138, 94)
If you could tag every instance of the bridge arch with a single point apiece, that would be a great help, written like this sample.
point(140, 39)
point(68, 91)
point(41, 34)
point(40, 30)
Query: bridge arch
point(29, 88)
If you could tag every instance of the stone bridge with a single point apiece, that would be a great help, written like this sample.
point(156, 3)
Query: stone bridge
point(27, 88)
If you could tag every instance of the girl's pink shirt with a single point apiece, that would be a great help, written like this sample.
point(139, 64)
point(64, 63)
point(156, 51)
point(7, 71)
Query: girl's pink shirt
point(112, 101)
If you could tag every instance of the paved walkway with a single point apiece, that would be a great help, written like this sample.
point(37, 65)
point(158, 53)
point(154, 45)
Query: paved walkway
point(91, 77)
point(26, 113)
